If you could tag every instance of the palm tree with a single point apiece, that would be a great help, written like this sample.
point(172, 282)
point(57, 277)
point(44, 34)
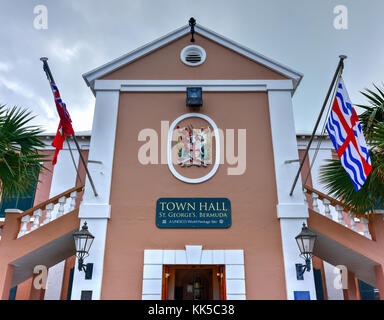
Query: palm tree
point(20, 161)
point(373, 113)
point(336, 180)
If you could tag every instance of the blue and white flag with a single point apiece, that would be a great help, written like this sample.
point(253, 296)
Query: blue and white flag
point(345, 131)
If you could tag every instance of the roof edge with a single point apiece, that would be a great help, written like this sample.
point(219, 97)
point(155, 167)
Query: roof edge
point(115, 64)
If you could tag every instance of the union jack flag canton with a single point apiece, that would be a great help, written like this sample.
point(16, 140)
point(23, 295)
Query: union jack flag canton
point(65, 126)
point(65, 118)
point(345, 131)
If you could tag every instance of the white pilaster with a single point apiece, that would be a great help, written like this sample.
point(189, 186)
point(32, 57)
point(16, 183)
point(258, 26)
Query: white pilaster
point(334, 292)
point(290, 209)
point(64, 172)
point(54, 282)
point(96, 210)
point(63, 178)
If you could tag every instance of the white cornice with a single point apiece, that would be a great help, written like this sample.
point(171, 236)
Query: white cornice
point(115, 64)
point(181, 85)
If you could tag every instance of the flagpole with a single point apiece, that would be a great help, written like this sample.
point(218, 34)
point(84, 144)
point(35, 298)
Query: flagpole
point(50, 79)
point(74, 163)
point(339, 71)
point(85, 166)
point(322, 134)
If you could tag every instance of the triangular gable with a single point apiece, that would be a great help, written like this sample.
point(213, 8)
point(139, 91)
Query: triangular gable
point(221, 63)
point(106, 70)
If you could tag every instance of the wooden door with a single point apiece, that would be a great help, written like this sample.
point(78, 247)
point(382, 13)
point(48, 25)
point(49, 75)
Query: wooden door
point(223, 295)
point(164, 295)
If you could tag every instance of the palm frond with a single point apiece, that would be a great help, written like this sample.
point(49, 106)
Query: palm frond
point(374, 111)
point(336, 180)
point(20, 160)
point(338, 183)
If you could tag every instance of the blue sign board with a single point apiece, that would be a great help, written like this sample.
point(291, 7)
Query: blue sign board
point(302, 295)
point(193, 213)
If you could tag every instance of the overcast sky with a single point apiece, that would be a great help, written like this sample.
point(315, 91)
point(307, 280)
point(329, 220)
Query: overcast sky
point(84, 34)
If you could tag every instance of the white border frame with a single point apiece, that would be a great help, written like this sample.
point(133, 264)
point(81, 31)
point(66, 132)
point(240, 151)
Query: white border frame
point(169, 148)
point(184, 53)
point(154, 260)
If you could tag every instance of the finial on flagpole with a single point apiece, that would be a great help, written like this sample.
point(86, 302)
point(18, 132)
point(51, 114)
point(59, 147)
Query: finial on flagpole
point(342, 58)
point(46, 69)
point(192, 23)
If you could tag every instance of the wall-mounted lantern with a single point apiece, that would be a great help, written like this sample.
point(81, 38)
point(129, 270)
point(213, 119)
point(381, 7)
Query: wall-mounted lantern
point(194, 97)
point(83, 242)
point(305, 241)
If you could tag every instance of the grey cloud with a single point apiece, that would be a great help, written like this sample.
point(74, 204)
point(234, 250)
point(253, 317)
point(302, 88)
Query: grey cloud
point(83, 34)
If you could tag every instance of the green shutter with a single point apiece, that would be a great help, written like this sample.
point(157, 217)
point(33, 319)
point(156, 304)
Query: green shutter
point(318, 284)
point(367, 292)
point(20, 202)
point(12, 293)
point(70, 283)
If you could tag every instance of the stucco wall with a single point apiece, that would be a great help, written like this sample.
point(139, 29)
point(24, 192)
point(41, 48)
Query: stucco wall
point(136, 188)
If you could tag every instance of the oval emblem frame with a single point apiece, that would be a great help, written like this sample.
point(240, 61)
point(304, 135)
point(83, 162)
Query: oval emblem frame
point(169, 153)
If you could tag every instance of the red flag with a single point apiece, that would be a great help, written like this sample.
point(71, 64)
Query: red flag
point(65, 126)
point(58, 142)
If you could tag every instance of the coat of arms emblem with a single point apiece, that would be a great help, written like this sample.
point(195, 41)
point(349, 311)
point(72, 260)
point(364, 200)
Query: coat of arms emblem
point(194, 147)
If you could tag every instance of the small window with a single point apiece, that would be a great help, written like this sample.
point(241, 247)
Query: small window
point(193, 55)
point(86, 295)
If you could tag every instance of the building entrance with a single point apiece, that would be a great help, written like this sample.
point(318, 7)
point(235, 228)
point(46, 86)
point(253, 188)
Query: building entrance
point(193, 282)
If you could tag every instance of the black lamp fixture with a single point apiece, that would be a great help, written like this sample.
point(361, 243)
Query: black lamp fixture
point(305, 241)
point(83, 242)
point(194, 96)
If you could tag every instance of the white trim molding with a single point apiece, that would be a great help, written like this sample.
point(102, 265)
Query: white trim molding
point(96, 210)
point(115, 64)
point(193, 255)
point(290, 210)
point(171, 167)
point(181, 85)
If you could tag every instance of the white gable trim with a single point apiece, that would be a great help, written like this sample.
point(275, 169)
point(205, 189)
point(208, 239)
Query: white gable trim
point(251, 54)
point(115, 64)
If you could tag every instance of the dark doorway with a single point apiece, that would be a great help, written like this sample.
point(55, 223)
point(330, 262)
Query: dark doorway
point(194, 282)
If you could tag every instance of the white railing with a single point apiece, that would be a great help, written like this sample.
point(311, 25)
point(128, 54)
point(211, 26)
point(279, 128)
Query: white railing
point(54, 208)
point(336, 211)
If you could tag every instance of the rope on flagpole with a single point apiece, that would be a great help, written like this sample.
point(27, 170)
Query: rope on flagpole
point(85, 165)
point(322, 134)
point(74, 163)
point(340, 66)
